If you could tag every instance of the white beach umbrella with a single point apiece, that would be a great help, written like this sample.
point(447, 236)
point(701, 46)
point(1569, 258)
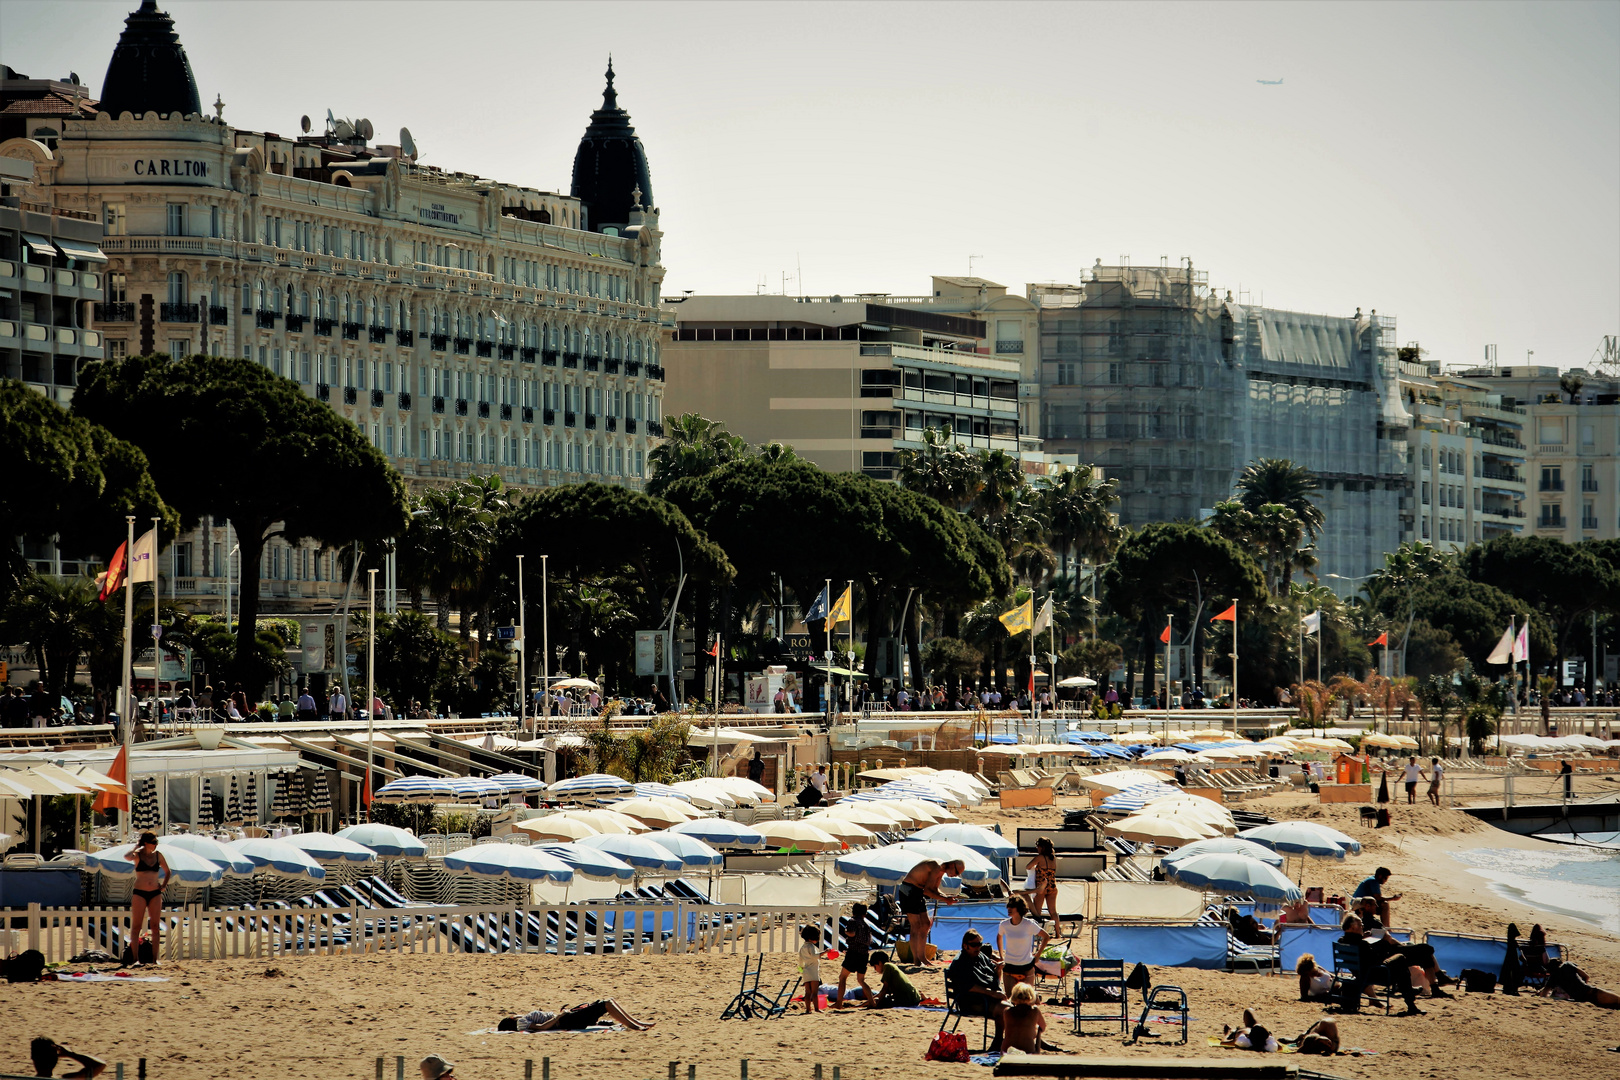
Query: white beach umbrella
point(279, 858)
point(718, 832)
point(848, 831)
point(890, 864)
point(990, 844)
point(1228, 845)
point(587, 862)
point(557, 827)
point(922, 808)
point(804, 835)
point(1166, 832)
point(233, 862)
point(876, 816)
point(607, 821)
point(642, 852)
point(702, 793)
point(654, 814)
point(327, 848)
point(1120, 779)
point(386, 840)
point(189, 867)
point(512, 862)
point(745, 787)
point(593, 786)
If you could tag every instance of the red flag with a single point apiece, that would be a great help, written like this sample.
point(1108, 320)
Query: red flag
point(365, 792)
point(714, 650)
point(1381, 639)
point(117, 566)
point(1165, 637)
point(1229, 615)
point(113, 800)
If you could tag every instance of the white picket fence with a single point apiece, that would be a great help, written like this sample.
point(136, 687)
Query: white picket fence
point(585, 929)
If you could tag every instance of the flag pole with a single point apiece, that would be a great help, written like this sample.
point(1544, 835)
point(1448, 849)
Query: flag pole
point(1034, 707)
point(126, 706)
point(1169, 636)
point(827, 628)
point(1318, 644)
point(1234, 668)
point(850, 589)
point(371, 685)
point(157, 619)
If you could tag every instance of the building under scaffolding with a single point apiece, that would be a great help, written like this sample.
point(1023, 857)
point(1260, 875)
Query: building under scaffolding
point(1174, 390)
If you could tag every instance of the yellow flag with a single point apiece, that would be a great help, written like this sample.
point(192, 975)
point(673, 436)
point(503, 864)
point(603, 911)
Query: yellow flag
point(841, 610)
point(1020, 618)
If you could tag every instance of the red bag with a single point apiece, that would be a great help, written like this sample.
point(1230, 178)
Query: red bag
point(947, 1046)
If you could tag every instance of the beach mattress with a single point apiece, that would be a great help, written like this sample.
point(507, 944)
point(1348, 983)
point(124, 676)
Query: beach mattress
point(1164, 946)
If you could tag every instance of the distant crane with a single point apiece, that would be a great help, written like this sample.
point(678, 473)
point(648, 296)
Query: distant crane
point(1269, 82)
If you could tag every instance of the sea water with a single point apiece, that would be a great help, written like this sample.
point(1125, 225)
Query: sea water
point(1581, 883)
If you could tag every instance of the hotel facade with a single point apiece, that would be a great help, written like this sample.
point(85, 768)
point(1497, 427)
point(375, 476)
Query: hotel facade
point(467, 326)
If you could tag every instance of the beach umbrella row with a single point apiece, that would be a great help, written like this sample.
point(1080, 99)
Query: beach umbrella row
point(890, 864)
point(386, 840)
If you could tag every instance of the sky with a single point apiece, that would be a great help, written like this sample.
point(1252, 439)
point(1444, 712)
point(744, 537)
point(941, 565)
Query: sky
point(1456, 165)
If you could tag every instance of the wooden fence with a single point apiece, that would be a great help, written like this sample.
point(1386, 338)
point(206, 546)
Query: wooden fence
point(584, 929)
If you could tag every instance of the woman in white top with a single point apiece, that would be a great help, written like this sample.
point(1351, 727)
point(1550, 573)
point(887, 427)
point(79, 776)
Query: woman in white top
point(1315, 984)
point(1019, 940)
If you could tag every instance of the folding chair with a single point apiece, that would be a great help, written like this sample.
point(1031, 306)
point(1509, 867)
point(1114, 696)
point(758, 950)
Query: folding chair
point(742, 1006)
point(1101, 973)
point(952, 1011)
point(1347, 971)
point(1165, 999)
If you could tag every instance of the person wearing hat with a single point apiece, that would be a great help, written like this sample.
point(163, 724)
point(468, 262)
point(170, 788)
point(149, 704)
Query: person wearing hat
point(435, 1067)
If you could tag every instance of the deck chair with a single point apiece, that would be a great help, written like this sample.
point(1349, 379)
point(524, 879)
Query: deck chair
point(1104, 974)
point(1351, 983)
point(1161, 999)
point(953, 1017)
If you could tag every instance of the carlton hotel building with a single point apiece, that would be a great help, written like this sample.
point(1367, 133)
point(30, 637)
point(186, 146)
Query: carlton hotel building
point(465, 324)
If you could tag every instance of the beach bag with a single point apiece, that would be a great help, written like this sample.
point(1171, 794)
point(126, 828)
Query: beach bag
point(1029, 880)
point(947, 1046)
point(1476, 981)
point(26, 966)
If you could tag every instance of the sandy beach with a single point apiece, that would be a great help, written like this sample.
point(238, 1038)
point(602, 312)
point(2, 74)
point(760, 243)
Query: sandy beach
point(332, 1016)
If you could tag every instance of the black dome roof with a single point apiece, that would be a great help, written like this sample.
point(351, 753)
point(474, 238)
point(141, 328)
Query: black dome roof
point(149, 71)
point(610, 165)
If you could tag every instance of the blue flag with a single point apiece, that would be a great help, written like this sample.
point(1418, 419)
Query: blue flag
point(818, 610)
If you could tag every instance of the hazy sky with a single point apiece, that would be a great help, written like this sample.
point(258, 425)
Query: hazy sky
point(1456, 165)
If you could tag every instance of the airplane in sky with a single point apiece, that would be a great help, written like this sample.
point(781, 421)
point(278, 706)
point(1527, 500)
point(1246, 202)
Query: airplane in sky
point(1269, 82)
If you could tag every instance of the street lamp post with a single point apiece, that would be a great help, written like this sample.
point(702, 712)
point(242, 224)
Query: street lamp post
point(523, 657)
point(371, 683)
point(545, 648)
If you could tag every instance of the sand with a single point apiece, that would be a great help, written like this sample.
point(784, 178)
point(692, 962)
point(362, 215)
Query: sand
point(331, 1017)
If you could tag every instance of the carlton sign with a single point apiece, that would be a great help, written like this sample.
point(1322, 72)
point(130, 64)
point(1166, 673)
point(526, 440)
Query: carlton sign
point(174, 167)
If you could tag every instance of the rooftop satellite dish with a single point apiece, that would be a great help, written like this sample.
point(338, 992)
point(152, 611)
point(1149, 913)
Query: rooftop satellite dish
point(303, 122)
point(363, 128)
point(343, 130)
point(406, 143)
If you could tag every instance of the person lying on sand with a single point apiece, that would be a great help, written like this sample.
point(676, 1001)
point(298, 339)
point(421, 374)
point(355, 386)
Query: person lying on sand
point(1024, 1023)
point(46, 1053)
point(1566, 982)
point(1249, 1034)
point(1315, 984)
point(575, 1019)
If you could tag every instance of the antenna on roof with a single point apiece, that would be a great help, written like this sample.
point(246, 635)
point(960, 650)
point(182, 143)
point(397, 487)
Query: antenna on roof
point(407, 144)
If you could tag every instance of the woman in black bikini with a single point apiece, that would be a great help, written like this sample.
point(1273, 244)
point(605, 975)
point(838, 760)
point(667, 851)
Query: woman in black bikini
point(146, 905)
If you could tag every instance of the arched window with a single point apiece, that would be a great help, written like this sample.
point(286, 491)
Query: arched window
point(320, 303)
point(258, 295)
point(177, 288)
point(303, 303)
point(290, 297)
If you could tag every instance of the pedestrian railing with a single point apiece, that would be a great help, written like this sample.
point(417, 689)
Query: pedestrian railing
point(585, 929)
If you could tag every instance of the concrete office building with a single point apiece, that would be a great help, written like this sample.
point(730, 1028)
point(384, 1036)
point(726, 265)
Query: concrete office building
point(847, 382)
point(466, 325)
point(1173, 389)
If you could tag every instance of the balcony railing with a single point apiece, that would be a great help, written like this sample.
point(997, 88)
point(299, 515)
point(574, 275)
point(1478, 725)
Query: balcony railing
point(612, 423)
point(1589, 523)
point(115, 311)
point(593, 363)
point(568, 419)
point(655, 371)
point(483, 409)
point(528, 353)
point(295, 323)
point(1589, 485)
point(404, 401)
point(486, 349)
point(179, 313)
point(590, 421)
point(376, 399)
point(528, 415)
point(1009, 346)
point(461, 406)
point(1551, 485)
point(379, 335)
point(506, 412)
point(265, 319)
point(570, 359)
point(351, 331)
point(324, 327)
point(548, 357)
point(405, 337)
point(350, 395)
point(612, 366)
point(506, 351)
point(439, 342)
point(632, 368)
point(323, 392)
point(218, 315)
point(463, 345)
point(629, 425)
point(656, 428)
point(547, 416)
point(1548, 521)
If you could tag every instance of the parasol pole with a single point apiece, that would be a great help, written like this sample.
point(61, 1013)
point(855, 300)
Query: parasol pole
point(127, 706)
point(371, 684)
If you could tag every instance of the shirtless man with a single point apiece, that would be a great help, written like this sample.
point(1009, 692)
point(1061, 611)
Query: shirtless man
point(913, 894)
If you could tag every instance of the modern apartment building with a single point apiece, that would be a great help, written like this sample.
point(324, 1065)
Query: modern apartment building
point(466, 325)
point(1173, 389)
point(847, 382)
point(1466, 455)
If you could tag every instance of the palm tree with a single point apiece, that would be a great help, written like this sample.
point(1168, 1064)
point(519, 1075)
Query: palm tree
point(1001, 479)
point(693, 446)
point(941, 470)
point(1280, 481)
point(56, 617)
point(1079, 513)
point(446, 548)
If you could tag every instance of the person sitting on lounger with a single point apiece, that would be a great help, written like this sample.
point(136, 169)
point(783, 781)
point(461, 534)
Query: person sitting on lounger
point(1315, 984)
point(575, 1019)
point(1025, 1024)
point(897, 991)
point(1392, 969)
point(974, 982)
point(47, 1053)
point(1247, 929)
point(1566, 982)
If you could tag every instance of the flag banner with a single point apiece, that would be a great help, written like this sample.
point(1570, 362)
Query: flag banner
point(1521, 647)
point(818, 610)
point(1229, 615)
point(112, 579)
point(1043, 621)
point(112, 800)
point(1381, 639)
point(714, 650)
point(1020, 618)
point(365, 791)
point(1312, 623)
point(1165, 636)
point(143, 559)
point(1503, 653)
point(841, 610)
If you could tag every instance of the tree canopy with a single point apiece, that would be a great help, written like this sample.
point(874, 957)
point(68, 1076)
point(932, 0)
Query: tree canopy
point(227, 438)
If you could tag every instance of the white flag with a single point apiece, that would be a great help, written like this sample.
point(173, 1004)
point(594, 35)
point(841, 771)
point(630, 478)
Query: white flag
point(1521, 646)
point(143, 560)
point(1312, 623)
point(1504, 651)
point(1043, 621)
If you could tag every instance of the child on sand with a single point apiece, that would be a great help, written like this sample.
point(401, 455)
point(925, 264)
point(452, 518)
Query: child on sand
point(810, 964)
point(857, 956)
point(898, 991)
point(1025, 1024)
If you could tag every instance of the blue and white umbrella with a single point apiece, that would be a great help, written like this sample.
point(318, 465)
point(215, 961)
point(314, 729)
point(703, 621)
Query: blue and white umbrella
point(279, 858)
point(233, 862)
point(1225, 845)
point(326, 848)
point(1303, 838)
point(476, 788)
point(918, 789)
point(649, 790)
point(1134, 798)
point(639, 851)
point(689, 849)
point(594, 786)
point(889, 865)
point(977, 837)
point(1229, 873)
point(720, 832)
point(190, 868)
point(417, 789)
point(517, 783)
point(386, 840)
point(509, 861)
point(587, 862)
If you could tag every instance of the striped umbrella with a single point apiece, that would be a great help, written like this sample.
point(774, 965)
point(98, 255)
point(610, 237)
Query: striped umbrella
point(233, 805)
point(326, 848)
point(250, 800)
point(648, 790)
point(298, 794)
point(642, 852)
point(720, 832)
point(233, 862)
point(517, 783)
point(689, 849)
point(281, 801)
point(1134, 798)
point(190, 868)
point(320, 799)
point(476, 788)
point(416, 789)
point(205, 805)
point(386, 840)
point(594, 786)
point(510, 861)
point(279, 858)
point(145, 816)
point(590, 863)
